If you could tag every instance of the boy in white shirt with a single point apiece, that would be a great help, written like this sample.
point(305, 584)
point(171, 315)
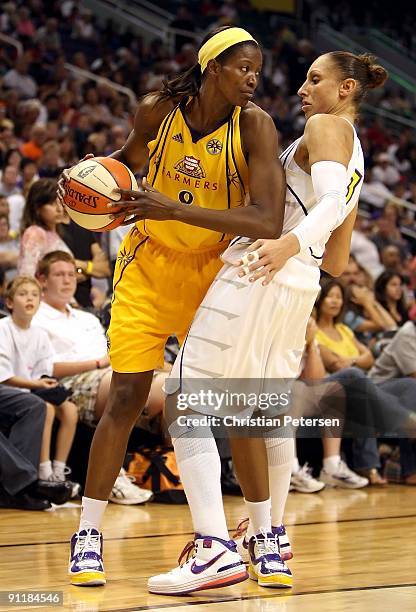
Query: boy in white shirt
point(27, 362)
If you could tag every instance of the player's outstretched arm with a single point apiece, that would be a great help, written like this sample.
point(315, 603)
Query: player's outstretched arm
point(267, 186)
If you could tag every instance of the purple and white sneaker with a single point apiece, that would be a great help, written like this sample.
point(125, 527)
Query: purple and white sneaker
point(266, 566)
point(240, 538)
point(86, 566)
point(284, 544)
point(214, 563)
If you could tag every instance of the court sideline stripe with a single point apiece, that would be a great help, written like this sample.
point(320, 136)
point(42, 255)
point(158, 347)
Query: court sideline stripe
point(259, 597)
point(187, 533)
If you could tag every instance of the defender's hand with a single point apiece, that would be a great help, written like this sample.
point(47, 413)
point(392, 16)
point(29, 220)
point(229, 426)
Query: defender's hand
point(265, 257)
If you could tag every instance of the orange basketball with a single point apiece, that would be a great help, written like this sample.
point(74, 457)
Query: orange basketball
point(91, 186)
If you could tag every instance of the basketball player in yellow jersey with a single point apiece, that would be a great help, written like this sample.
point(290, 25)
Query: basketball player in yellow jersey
point(209, 148)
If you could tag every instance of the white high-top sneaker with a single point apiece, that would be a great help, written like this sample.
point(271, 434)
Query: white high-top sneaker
point(214, 563)
point(266, 565)
point(241, 539)
point(86, 566)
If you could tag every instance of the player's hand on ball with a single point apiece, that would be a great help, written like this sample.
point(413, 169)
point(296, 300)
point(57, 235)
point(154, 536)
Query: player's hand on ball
point(146, 204)
point(65, 177)
point(265, 257)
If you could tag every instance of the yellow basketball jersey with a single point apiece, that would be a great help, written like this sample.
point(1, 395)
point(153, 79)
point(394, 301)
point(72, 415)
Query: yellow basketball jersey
point(208, 171)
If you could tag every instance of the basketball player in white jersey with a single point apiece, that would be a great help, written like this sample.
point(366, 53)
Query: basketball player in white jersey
point(248, 329)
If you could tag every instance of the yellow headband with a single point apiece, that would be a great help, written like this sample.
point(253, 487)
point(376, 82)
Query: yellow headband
point(220, 42)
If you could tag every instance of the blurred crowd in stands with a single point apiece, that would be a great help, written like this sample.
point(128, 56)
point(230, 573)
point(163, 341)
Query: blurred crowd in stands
point(51, 116)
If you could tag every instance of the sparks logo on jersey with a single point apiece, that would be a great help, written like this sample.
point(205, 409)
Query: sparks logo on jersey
point(214, 146)
point(191, 166)
point(178, 138)
point(86, 171)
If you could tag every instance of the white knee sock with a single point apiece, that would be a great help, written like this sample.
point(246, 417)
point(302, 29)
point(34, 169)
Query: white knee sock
point(200, 472)
point(280, 453)
point(259, 515)
point(92, 511)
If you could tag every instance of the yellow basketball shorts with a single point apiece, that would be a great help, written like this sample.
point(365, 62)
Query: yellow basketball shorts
point(156, 292)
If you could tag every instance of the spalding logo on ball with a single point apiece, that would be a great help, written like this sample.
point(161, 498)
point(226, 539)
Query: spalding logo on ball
point(91, 186)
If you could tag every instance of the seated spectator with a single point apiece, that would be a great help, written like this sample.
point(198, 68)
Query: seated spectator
point(338, 345)
point(374, 192)
point(398, 360)
point(339, 350)
point(22, 418)
point(49, 35)
point(16, 204)
point(9, 182)
point(389, 291)
point(363, 314)
point(3, 312)
point(19, 80)
point(385, 171)
point(335, 471)
point(7, 137)
point(91, 261)
point(382, 237)
point(13, 158)
point(50, 164)
point(9, 247)
point(27, 362)
point(364, 249)
point(33, 148)
point(29, 174)
point(391, 259)
point(41, 218)
point(81, 352)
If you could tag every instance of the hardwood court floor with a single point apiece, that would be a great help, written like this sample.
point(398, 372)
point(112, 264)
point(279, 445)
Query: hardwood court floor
point(354, 550)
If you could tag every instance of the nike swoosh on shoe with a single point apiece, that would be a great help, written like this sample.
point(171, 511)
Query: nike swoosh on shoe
point(197, 569)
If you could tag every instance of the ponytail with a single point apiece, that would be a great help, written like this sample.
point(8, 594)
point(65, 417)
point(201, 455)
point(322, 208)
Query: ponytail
point(182, 86)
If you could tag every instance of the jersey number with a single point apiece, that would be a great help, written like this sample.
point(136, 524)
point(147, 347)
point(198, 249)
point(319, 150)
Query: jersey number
point(355, 180)
point(186, 197)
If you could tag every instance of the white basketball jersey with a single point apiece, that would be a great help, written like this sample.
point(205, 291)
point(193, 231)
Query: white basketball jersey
point(300, 197)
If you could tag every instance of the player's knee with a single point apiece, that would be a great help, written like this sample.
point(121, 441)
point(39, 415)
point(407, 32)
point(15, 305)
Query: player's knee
point(125, 402)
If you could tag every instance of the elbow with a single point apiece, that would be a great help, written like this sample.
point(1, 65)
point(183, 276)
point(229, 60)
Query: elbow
point(334, 270)
point(271, 228)
point(336, 267)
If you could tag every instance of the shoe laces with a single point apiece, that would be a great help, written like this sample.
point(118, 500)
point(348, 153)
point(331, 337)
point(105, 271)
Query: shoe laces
point(241, 529)
point(87, 543)
point(267, 545)
point(189, 551)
